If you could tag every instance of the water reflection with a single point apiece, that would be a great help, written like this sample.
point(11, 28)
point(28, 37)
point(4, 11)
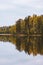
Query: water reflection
point(31, 45)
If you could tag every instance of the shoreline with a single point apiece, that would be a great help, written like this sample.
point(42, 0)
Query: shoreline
point(34, 35)
point(6, 34)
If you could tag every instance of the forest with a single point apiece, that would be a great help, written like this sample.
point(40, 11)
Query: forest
point(31, 25)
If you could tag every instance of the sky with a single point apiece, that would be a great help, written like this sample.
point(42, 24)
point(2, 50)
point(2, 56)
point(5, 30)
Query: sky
point(12, 10)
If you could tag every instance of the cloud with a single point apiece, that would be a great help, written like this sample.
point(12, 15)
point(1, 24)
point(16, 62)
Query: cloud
point(6, 7)
point(15, 4)
point(29, 3)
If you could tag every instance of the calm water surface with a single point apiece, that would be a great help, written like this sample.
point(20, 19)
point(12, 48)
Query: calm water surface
point(21, 50)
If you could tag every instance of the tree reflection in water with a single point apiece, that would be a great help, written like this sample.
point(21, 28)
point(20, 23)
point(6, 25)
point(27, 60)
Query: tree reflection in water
point(31, 45)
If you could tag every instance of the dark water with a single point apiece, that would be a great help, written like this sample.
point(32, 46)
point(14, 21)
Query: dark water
point(21, 50)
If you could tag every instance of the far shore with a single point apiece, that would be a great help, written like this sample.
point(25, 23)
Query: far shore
point(34, 35)
point(6, 34)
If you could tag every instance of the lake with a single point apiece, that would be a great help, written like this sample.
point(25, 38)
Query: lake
point(21, 50)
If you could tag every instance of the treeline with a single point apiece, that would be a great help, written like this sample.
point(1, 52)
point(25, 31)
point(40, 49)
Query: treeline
point(8, 30)
point(29, 25)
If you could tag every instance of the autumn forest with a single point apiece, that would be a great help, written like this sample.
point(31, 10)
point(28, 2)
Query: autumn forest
point(31, 25)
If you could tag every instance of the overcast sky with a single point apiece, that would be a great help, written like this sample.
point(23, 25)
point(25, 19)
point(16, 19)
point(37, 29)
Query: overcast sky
point(11, 10)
